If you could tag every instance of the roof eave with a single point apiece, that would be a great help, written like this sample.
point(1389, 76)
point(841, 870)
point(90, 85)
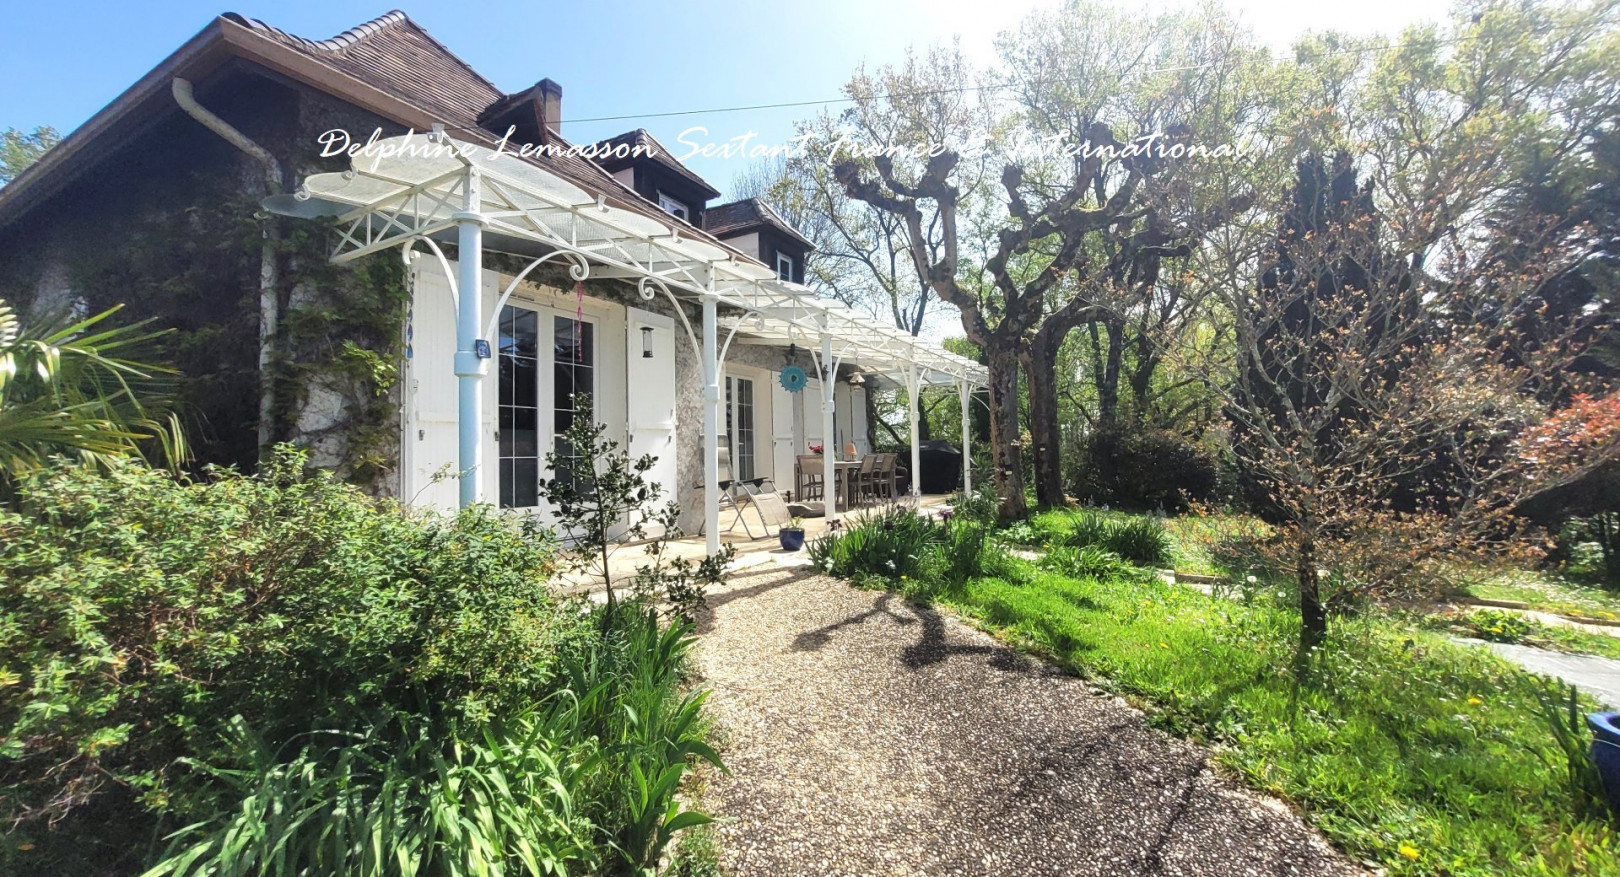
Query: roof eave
point(61, 163)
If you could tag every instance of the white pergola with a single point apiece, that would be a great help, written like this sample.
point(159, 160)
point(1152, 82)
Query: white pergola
point(432, 189)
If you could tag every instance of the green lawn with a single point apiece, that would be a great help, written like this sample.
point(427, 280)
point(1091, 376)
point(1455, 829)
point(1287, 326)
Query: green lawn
point(1547, 592)
point(1502, 625)
point(1407, 750)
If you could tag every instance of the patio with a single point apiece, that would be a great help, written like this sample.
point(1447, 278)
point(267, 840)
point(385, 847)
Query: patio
point(754, 555)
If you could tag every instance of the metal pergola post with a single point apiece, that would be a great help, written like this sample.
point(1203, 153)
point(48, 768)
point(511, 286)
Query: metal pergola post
point(711, 425)
point(913, 386)
point(469, 366)
point(829, 441)
point(965, 395)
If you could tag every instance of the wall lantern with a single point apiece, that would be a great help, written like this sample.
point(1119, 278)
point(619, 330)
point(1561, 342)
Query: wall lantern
point(646, 342)
point(857, 380)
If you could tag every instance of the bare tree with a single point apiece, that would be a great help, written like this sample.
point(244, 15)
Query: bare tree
point(1385, 398)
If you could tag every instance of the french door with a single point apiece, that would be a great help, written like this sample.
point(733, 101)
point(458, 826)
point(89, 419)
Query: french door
point(547, 361)
point(740, 432)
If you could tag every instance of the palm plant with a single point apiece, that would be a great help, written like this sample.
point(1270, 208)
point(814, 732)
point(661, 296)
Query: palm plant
point(82, 389)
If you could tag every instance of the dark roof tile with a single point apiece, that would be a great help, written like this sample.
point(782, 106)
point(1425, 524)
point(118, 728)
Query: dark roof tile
point(736, 217)
point(643, 139)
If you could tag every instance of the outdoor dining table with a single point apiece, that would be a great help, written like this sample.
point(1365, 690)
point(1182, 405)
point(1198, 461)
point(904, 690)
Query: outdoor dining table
point(846, 472)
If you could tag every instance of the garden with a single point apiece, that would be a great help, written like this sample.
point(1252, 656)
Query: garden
point(1411, 752)
point(279, 674)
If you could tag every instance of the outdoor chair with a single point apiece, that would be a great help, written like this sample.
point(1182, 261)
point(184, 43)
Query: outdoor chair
point(756, 493)
point(865, 482)
point(807, 482)
point(884, 475)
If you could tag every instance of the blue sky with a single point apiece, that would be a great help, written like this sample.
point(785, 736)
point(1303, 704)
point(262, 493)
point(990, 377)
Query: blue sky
point(60, 62)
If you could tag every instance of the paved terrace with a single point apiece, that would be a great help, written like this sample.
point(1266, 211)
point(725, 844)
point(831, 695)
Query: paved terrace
point(761, 553)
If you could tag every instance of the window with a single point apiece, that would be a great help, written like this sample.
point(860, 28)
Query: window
point(740, 426)
point(674, 207)
point(520, 408)
point(523, 433)
point(784, 266)
point(573, 371)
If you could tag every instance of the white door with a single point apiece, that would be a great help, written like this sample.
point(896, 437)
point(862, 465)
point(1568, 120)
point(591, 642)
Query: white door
point(430, 446)
point(782, 449)
point(742, 427)
point(650, 422)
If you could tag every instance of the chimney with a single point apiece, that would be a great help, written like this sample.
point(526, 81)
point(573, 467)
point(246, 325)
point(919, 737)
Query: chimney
point(550, 106)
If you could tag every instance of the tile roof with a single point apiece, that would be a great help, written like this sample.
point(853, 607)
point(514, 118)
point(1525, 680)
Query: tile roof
point(725, 220)
point(642, 138)
point(396, 55)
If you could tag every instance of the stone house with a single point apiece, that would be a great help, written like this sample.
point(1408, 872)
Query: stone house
point(166, 201)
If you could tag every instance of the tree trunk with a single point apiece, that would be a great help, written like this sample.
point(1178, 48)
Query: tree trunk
point(1312, 615)
point(1045, 433)
point(1108, 380)
point(1004, 433)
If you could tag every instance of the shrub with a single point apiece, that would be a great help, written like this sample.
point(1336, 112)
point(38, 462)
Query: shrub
point(1023, 533)
point(1140, 540)
point(1144, 468)
point(142, 614)
point(1502, 627)
point(1090, 561)
point(981, 505)
point(587, 775)
point(894, 543)
point(962, 549)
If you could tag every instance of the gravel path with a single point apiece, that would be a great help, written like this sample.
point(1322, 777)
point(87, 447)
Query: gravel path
point(867, 736)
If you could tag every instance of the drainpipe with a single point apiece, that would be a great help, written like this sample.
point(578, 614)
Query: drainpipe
point(269, 306)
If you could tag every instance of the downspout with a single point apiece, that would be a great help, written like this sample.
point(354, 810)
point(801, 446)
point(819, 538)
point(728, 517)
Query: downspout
point(269, 305)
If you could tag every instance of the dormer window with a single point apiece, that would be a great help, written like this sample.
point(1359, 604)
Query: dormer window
point(784, 266)
point(674, 207)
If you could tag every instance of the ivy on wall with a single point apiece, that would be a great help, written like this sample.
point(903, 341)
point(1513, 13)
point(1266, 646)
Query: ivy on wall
point(195, 268)
point(339, 354)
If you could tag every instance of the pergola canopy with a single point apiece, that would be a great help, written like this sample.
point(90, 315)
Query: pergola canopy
point(414, 187)
point(433, 189)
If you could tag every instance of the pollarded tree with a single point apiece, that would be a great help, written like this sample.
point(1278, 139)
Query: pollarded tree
point(1086, 152)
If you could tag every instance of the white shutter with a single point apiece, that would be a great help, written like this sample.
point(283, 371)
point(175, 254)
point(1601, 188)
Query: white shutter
point(810, 402)
point(857, 419)
point(650, 391)
point(782, 447)
point(431, 438)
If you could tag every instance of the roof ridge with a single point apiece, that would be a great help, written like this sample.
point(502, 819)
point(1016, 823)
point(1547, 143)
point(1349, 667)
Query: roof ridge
point(361, 31)
point(334, 44)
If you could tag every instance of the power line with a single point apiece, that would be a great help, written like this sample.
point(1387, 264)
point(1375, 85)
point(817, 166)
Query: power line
point(958, 90)
point(1364, 50)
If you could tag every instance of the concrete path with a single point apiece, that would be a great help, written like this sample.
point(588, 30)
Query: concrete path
point(1597, 676)
point(867, 736)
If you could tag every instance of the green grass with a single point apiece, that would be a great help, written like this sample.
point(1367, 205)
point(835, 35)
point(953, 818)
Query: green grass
point(1215, 545)
point(1398, 740)
point(1138, 538)
point(1489, 624)
point(1546, 592)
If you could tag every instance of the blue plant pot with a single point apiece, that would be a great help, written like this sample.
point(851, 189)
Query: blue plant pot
point(792, 540)
point(1606, 753)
